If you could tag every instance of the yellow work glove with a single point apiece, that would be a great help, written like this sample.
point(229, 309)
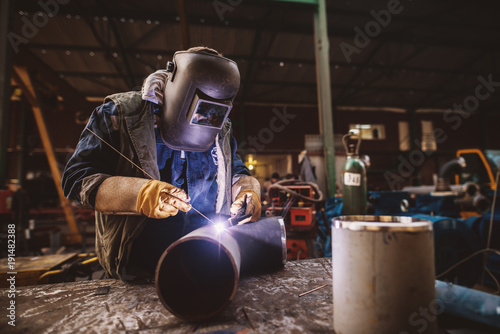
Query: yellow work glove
point(246, 189)
point(155, 200)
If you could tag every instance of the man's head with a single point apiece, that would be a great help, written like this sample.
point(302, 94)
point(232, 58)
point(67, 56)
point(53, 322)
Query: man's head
point(198, 97)
point(275, 177)
point(205, 49)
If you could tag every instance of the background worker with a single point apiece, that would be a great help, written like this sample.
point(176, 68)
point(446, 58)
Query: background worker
point(275, 177)
point(180, 151)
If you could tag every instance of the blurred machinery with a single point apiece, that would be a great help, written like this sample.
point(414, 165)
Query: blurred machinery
point(6, 201)
point(463, 209)
point(296, 202)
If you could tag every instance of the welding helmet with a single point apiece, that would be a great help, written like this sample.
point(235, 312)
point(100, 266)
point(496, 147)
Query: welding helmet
point(198, 97)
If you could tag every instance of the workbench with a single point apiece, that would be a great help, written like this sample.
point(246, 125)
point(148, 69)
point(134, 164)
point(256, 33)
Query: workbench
point(271, 303)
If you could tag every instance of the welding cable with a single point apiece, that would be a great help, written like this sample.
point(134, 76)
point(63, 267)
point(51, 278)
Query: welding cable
point(50, 273)
point(493, 208)
point(487, 249)
point(490, 250)
point(490, 230)
point(91, 254)
point(279, 185)
point(91, 260)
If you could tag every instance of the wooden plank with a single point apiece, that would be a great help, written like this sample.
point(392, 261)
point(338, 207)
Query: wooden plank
point(271, 302)
point(30, 268)
point(45, 262)
point(22, 78)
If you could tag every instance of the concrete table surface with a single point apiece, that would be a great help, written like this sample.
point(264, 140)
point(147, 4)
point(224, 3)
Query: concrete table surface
point(271, 302)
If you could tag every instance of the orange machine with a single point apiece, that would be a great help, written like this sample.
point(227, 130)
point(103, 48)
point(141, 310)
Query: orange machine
point(6, 201)
point(478, 175)
point(296, 202)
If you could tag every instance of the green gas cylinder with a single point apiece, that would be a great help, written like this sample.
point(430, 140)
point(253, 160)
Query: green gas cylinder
point(353, 178)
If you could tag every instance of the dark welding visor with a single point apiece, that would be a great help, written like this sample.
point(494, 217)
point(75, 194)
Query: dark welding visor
point(208, 112)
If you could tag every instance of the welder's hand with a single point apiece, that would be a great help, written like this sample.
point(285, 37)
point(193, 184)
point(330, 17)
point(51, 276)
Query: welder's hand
point(155, 200)
point(246, 192)
point(253, 205)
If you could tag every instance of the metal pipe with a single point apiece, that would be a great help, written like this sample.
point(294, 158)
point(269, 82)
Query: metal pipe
point(198, 275)
point(262, 245)
point(451, 167)
point(383, 274)
point(468, 303)
point(322, 55)
point(478, 203)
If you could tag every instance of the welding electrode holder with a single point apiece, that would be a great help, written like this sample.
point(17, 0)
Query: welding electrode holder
point(197, 276)
point(237, 219)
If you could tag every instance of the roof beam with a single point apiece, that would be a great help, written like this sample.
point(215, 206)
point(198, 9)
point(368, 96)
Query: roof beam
point(343, 64)
point(385, 70)
point(434, 20)
point(104, 45)
point(292, 27)
point(23, 79)
point(286, 83)
point(353, 78)
point(72, 98)
point(446, 80)
point(184, 21)
point(122, 53)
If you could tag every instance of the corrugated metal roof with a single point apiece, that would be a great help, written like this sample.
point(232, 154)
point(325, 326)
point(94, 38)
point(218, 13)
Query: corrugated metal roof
point(426, 53)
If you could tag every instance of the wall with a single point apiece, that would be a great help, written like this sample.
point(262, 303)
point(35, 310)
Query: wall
point(452, 132)
point(281, 130)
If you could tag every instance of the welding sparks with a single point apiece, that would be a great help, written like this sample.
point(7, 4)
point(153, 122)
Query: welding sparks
point(219, 227)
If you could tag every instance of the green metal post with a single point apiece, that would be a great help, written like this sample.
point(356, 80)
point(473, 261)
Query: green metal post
point(324, 92)
point(5, 71)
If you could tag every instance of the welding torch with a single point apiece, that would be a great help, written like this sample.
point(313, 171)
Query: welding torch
point(189, 205)
point(239, 218)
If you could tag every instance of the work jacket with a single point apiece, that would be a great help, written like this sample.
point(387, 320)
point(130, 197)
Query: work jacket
point(127, 123)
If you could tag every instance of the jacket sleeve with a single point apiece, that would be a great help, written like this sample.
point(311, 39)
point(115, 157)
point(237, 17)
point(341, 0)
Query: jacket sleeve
point(239, 169)
point(93, 161)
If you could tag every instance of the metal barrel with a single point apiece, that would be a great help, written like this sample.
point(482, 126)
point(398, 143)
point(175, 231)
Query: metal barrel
point(383, 275)
point(198, 275)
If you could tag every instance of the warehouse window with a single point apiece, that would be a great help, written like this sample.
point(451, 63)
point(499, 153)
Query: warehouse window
point(368, 131)
point(428, 140)
point(404, 136)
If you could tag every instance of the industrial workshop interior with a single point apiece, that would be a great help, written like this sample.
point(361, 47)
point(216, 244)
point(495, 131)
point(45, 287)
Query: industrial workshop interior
point(250, 166)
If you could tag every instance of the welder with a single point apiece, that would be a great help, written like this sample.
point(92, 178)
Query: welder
point(158, 163)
